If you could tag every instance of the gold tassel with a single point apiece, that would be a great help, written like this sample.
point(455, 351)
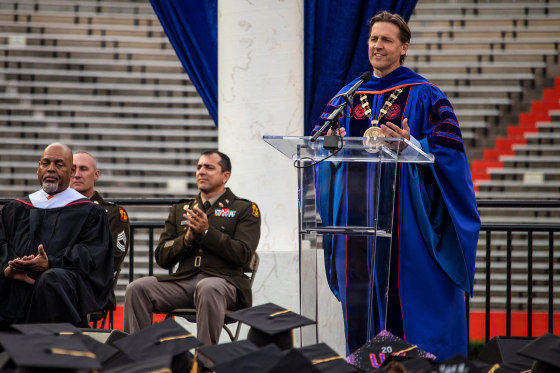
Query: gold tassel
point(319, 361)
point(194, 368)
point(278, 313)
point(174, 338)
point(76, 353)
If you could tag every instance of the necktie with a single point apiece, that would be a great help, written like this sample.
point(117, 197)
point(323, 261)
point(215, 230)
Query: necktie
point(206, 206)
point(49, 196)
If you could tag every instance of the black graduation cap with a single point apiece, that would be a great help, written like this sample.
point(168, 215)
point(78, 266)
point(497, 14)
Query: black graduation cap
point(114, 336)
point(458, 363)
point(163, 338)
point(47, 329)
point(118, 360)
point(89, 337)
point(270, 323)
point(420, 364)
point(384, 347)
point(326, 360)
point(48, 352)
point(158, 364)
point(502, 350)
point(270, 359)
point(293, 361)
point(260, 361)
point(222, 353)
point(104, 352)
point(545, 351)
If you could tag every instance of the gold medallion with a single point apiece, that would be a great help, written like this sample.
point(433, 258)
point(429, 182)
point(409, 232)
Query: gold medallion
point(373, 132)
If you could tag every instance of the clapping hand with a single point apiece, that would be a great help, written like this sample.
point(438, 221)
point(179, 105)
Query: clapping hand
point(32, 263)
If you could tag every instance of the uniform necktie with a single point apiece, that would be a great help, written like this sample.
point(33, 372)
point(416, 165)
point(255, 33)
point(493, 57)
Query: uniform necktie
point(206, 206)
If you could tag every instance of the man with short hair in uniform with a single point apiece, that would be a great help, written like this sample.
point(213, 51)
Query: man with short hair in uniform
point(83, 181)
point(211, 245)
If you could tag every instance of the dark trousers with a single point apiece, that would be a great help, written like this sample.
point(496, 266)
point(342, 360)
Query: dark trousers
point(55, 298)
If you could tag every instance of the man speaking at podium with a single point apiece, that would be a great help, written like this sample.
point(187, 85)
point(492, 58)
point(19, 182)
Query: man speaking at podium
point(435, 219)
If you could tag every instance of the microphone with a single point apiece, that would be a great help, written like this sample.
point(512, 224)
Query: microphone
point(365, 77)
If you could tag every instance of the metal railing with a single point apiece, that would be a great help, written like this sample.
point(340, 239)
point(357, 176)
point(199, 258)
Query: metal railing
point(527, 232)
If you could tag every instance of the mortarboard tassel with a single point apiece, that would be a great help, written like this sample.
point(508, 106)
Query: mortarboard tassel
point(194, 368)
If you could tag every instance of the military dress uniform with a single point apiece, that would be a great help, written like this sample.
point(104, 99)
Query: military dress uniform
point(223, 252)
point(120, 232)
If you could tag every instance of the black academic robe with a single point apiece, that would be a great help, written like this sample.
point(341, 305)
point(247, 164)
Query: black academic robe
point(78, 244)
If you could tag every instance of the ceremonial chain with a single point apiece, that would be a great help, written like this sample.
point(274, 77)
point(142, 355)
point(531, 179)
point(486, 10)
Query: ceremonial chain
point(383, 111)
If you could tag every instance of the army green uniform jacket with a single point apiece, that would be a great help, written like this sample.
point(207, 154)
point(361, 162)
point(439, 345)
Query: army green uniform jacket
point(226, 249)
point(120, 232)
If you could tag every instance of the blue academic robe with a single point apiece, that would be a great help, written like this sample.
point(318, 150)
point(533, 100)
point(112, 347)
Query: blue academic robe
point(435, 223)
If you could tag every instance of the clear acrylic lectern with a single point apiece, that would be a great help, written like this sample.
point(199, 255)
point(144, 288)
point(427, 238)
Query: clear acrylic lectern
point(331, 209)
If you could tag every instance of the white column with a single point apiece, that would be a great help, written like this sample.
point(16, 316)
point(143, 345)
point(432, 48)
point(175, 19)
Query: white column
point(260, 92)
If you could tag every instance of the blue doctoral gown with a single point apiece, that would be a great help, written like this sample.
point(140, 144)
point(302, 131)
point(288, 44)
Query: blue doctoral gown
point(435, 223)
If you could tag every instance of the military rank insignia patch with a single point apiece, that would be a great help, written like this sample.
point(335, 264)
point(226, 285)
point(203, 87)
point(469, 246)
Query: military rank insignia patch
point(121, 241)
point(124, 215)
point(256, 212)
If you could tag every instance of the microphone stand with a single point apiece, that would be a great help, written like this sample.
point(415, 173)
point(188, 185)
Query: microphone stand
point(333, 117)
point(331, 142)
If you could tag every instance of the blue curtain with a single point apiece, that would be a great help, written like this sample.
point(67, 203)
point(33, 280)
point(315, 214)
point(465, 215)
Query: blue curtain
point(192, 28)
point(335, 45)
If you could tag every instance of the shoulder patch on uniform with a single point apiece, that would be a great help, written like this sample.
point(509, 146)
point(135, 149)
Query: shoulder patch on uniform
point(168, 243)
point(121, 241)
point(123, 215)
point(256, 212)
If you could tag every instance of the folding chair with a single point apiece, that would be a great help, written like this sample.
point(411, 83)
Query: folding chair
point(107, 311)
point(190, 313)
